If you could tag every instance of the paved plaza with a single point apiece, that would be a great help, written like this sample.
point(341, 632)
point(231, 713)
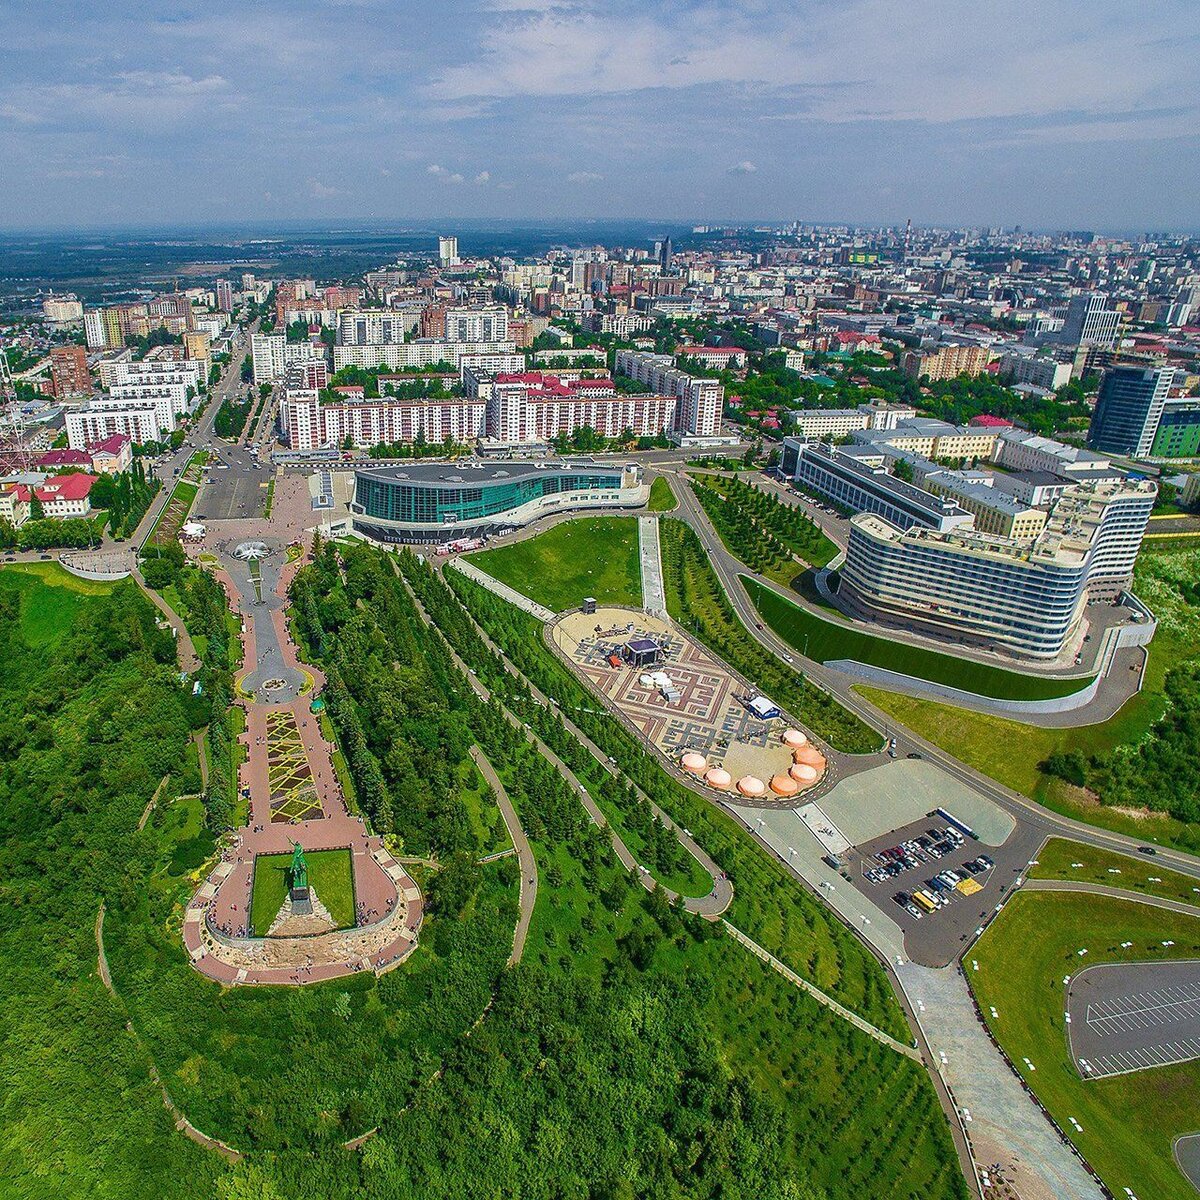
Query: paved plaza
point(709, 714)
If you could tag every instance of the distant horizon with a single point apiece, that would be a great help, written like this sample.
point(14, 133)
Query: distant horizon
point(447, 225)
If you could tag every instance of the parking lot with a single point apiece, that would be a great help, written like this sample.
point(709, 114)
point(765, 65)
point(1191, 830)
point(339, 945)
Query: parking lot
point(233, 492)
point(918, 875)
point(1133, 1016)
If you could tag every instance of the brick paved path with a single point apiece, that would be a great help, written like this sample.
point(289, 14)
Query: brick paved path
point(216, 925)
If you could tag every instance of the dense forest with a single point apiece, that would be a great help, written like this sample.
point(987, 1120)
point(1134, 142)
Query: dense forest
point(689, 1068)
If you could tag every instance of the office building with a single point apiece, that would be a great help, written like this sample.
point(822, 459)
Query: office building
point(947, 362)
point(1088, 321)
point(996, 592)
point(859, 486)
point(995, 510)
point(69, 371)
point(931, 438)
point(1020, 450)
point(439, 502)
point(1128, 409)
point(1178, 433)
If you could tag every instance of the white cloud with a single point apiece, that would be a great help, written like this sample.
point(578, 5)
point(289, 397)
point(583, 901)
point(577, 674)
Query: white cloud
point(483, 177)
point(745, 167)
point(584, 177)
point(444, 174)
point(1053, 59)
point(322, 191)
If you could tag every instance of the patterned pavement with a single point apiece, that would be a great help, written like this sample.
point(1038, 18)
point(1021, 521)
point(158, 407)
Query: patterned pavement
point(710, 714)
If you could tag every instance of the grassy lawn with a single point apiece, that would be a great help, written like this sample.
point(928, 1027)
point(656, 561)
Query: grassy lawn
point(51, 574)
point(662, 495)
point(825, 641)
point(330, 875)
point(1061, 858)
point(590, 556)
point(1128, 1121)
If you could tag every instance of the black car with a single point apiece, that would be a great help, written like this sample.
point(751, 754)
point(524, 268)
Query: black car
point(914, 754)
point(1147, 850)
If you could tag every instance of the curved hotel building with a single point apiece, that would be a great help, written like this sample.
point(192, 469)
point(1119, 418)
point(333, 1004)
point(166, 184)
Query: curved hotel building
point(1023, 597)
point(439, 502)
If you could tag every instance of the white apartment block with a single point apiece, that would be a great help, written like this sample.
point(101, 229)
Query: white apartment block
point(188, 372)
point(375, 327)
point(271, 355)
point(1045, 373)
point(477, 324)
point(702, 400)
point(310, 425)
point(423, 352)
point(519, 415)
point(93, 329)
point(171, 399)
point(138, 420)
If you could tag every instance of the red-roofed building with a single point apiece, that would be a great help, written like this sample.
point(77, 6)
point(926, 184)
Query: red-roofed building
point(987, 421)
point(56, 460)
point(66, 495)
point(113, 455)
point(14, 503)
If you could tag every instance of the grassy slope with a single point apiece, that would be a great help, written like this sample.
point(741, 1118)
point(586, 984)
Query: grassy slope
point(1057, 859)
point(589, 556)
point(662, 495)
point(827, 640)
point(329, 874)
point(1128, 1121)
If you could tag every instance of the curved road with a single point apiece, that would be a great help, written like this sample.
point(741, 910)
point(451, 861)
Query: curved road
point(1049, 823)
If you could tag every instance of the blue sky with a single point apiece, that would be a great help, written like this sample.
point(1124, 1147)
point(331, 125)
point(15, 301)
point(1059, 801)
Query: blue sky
point(1061, 113)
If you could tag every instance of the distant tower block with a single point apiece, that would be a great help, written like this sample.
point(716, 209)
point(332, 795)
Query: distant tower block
point(448, 251)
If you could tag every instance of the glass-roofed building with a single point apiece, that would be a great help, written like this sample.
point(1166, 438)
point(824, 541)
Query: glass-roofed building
point(439, 502)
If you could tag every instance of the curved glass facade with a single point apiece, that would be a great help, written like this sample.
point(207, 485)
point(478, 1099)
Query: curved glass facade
point(414, 502)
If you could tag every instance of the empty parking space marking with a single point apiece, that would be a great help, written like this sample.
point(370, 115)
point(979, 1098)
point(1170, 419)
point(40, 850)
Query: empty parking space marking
point(1144, 1010)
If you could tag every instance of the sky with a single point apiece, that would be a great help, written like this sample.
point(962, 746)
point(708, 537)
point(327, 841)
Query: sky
point(1055, 114)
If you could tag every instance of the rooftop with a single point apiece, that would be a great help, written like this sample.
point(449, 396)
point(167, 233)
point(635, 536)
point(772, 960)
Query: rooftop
point(474, 470)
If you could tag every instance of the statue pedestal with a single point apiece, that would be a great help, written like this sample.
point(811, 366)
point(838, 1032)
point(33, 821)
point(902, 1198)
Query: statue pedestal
point(301, 901)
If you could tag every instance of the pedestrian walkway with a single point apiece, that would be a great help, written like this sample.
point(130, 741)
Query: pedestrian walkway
point(528, 864)
point(654, 599)
point(532, 607)
point(820, 996)
point(1006, 1123)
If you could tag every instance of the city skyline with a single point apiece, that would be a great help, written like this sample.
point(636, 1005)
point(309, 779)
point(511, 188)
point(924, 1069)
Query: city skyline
point(723, 112)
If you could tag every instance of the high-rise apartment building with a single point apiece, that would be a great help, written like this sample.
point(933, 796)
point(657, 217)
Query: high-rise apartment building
point(1128, 409)
point(374, 327)
point(69, 370)
point(448, 251)
point(224, 295)
point(477, 324)
point(947, 362)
